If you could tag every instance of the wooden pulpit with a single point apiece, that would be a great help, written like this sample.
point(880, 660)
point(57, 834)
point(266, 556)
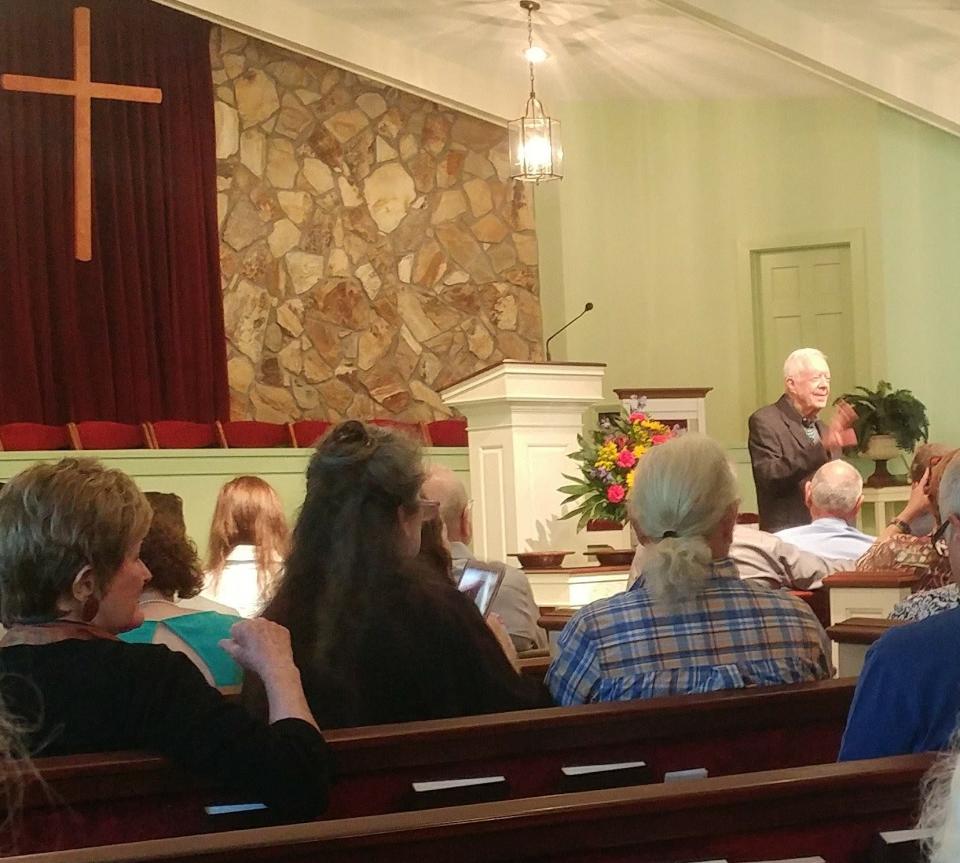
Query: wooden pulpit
point(523, 419)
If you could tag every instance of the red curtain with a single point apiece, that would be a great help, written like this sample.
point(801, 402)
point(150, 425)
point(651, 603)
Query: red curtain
point(136, 333)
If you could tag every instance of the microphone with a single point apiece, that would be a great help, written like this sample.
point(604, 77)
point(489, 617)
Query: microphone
point(588, 307)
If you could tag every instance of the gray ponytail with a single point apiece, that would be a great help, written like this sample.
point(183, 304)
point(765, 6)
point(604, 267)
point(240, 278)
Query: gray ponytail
point(681, 492)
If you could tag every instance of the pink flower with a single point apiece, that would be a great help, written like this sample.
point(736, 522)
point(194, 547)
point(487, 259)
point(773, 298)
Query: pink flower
point(616, 493)
point(658, 439)
point(626, 459)
point(637, 417)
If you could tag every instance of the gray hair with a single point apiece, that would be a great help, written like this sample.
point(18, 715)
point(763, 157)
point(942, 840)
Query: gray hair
point(941, 809)
point(681, 492)
point(443, 485)
point(801, 359)
point(836, 488)
point(949, 496)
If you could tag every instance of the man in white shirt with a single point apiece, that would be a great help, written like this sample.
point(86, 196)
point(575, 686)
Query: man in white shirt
point(833, 497)
point(514, 602)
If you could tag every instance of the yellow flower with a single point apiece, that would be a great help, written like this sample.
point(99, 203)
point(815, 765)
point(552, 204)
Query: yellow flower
point(630, 478)
point(606, 456)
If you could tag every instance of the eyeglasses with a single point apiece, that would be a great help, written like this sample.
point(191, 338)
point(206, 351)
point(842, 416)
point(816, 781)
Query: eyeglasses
point(941, 544)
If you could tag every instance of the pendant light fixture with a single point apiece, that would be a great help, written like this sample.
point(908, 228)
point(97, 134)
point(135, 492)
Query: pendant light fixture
point(536, 153)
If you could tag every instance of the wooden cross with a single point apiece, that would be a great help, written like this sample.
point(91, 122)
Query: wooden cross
point(83, 91)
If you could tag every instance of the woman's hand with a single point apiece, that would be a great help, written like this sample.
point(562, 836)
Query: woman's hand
point(263, 646)
point(259, 645)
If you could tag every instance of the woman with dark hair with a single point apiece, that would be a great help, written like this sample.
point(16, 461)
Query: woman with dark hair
point(379, 633)
point(70, 581)
point(173, 613)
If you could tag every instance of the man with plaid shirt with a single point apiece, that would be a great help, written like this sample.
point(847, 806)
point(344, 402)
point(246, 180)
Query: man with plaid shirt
point(734, 634)
point(688, 624)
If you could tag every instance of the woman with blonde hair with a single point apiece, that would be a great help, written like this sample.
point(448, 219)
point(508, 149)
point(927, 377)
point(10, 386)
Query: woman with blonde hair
point(248, 544)
point(688, 624)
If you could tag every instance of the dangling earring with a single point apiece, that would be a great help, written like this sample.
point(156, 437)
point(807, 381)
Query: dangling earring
point(91, 607)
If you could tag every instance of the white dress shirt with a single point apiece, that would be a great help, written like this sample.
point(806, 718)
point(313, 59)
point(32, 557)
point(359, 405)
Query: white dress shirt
point(829, 537)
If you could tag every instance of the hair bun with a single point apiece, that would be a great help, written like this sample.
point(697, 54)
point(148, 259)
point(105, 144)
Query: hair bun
point(351, 432)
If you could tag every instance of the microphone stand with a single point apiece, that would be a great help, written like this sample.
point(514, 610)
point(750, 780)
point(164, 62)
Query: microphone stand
point(587, 308)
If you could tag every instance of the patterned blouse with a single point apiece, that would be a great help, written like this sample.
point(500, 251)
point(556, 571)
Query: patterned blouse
point(927, 603)
point(906, 551)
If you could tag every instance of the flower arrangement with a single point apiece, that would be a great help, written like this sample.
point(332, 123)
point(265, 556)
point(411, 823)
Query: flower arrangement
point(607, 459)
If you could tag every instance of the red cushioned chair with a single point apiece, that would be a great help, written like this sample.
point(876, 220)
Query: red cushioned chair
point(253, 433)
point(452, 432)
point(181, 434)
point(416, 430)
point(306, 433)
point(18, 437)
point(103, 434)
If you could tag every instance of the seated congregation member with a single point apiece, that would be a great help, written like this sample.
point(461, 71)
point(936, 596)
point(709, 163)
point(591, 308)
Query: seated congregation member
point(435, 553)
point(514, 602)
point(940, 816)
point(908, 694)
point(833, 497)
point(766, 559)
point(70, 581)
point(689, 623)
point(248, 542)
point(898, 547)
point(380, 634)
point(168, 601)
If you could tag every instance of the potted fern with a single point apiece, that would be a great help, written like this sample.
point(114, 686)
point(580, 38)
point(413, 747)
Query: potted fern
point(888, 421)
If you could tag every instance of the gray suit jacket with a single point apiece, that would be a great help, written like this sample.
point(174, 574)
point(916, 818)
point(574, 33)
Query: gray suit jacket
point(783, 457)
point(514, 602)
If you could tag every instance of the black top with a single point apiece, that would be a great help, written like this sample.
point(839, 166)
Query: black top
point(425, 653)
point(101, 695)
point(783, 457)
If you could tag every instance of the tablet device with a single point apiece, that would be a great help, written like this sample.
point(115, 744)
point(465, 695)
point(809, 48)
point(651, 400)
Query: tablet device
point(481, 581)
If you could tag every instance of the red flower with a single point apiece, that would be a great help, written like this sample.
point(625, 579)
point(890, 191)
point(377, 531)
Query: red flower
point(637, 417)
point(626, 459)
point(660, 438)
point(616, 493)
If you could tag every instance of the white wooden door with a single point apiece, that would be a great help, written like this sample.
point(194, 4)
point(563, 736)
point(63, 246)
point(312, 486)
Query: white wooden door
point(804, 298)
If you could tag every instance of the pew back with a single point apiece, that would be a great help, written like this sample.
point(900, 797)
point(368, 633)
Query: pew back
point(118, 797)
point(830, 810)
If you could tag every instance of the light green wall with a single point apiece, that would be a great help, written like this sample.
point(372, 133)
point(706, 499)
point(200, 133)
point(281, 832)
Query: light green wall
point(920, 198)
point(197, 475)
point(661, 202)
point(649, 222)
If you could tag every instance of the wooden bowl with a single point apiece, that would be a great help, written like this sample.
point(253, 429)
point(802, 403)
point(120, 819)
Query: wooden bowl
point(540, 559)
point(615, 557)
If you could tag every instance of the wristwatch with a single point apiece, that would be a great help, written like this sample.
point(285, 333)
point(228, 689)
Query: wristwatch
point(901, 525)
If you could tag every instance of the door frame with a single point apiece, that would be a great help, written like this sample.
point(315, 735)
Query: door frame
point(748, 252)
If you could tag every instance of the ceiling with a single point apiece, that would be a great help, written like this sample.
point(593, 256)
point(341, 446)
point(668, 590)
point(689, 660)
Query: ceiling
point(599, 50)
point(466, 53)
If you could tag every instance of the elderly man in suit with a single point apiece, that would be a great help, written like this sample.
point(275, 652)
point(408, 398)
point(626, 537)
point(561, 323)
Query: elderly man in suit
point(788, 443)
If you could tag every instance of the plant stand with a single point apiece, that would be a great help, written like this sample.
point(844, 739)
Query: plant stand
point(880, 450)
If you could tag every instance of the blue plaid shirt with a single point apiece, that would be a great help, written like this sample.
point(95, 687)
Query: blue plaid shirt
point(733, 634)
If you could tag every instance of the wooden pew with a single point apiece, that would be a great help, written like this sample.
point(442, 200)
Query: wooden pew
point(125, 796)
point(868, 593)
point(853, 638)
point(833, 810)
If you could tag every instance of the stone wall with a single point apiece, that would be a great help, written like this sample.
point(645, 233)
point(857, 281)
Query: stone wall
point(372, 248)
